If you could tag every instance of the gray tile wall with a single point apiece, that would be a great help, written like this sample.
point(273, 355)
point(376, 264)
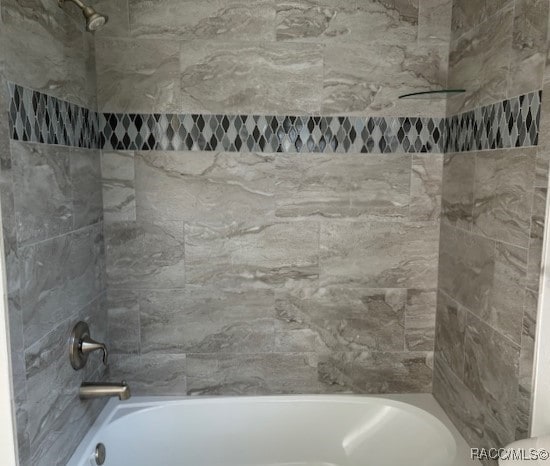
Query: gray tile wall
point(331, 57)
point(234, 273)
point(493, 207)
point(269, 273)
point(53, 233)
point(272, 273)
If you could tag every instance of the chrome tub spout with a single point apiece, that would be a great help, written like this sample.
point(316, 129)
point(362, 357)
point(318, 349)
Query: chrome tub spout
point(99, 390)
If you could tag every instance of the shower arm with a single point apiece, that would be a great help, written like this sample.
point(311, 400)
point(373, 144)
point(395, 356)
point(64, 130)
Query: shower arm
point(78, 3)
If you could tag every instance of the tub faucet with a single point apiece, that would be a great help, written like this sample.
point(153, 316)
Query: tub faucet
point(97, 390)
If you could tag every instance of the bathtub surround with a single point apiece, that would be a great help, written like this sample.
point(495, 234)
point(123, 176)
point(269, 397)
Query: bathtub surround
point(246, 267)
point(236, 261)
point(491, 235)
point(52, 222)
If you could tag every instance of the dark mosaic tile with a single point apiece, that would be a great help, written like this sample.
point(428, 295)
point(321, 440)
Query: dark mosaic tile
point(38, 117)
point(509, 123)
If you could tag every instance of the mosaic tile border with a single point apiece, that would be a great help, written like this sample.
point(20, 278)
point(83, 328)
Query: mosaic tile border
point(38, 117)
point(510, 123)
point(258, 133)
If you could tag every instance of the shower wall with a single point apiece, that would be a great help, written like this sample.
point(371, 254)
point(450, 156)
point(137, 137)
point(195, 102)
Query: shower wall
point(493, 212)
point(52, 226)
point(259, 272)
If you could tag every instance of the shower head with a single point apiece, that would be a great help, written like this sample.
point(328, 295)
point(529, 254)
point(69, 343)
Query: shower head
point(94, 20)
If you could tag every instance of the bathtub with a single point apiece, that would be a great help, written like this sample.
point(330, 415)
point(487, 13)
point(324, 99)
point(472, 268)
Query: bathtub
point(332, 430)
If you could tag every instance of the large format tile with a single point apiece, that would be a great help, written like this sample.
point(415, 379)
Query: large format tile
point(17, 349)
point(538, 215)
point(470, 13)
point(466, 267)
point(343, 186)
point(42, 191)
point(123, 321)
point(60, 439)
point(7, 203)
point(528, 46)
point(365, 79)
point(426, 186)
point(206, 320)
point(151, 374)
point(119, 194)
point(321, 21)
point(471, 416)
point(465, 57)
point(58, 277)
point(495, 37)
point(145, 255)
point(255, 255)
point(526, 364)
point(244, 77)
point(46, 49)
point(503, 194)
point(204, 186)
point(343, 318)
point(52, 385)
point(118, 24)
point(434, 21)
point(458, 189)
point(86, 186)
point(420, 320)
point(379, 254)
point(254, 374)
point(507, 296)
point(195, 19)
point(449, 333)
point(489, 360)
point(140, 75)
point(378, 372)
point(479, 62)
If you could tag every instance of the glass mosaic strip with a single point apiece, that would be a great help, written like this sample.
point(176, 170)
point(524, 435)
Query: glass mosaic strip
point(258, 133)
point(510, 123)
point(37, 117)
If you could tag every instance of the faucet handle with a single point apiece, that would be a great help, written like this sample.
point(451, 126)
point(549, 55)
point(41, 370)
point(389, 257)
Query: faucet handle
point(87, 345)
point(81, 345)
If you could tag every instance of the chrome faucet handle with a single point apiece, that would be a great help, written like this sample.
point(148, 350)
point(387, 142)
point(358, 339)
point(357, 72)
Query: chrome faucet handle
point(81, 345)
point(87, 345)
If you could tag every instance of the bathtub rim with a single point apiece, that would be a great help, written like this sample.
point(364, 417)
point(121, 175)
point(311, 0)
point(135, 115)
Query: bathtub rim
point(423, 404)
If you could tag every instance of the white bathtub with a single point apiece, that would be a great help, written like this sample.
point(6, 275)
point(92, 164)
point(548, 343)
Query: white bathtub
point(282, 430)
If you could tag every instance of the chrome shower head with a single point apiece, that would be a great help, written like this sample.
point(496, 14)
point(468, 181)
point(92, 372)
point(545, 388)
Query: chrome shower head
point(94, 20)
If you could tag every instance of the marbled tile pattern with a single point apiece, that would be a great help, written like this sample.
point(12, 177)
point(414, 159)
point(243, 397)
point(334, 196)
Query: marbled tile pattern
point(52, 217)
point(257, 291)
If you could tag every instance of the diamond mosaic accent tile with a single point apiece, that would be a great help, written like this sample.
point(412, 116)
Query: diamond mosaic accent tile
point(37, 117)
point(509, 123)
point(260, 133)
